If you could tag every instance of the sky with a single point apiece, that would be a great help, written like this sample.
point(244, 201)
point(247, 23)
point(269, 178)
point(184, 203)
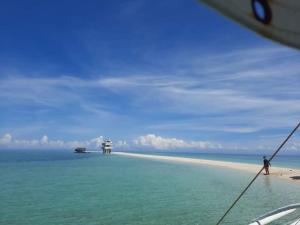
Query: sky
point(166, 75)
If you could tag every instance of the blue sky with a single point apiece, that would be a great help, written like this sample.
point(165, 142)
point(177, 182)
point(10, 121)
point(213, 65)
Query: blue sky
point(171, 75)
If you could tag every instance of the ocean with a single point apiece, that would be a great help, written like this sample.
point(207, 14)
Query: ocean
point(61, 188)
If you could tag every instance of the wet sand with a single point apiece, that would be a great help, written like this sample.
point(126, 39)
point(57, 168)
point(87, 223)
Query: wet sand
point(280, 172)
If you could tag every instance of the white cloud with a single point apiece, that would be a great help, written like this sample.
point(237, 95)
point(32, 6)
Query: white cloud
point(44, 140)
point(183, 95)
point(295, 146)
point(50, 93)
point(122, 144)
point(96, 141)
point(246, 92)
point(149, 141)
point(6, 139)
point(158, 142)
point(152, 141)
point(187, 126)
point(33, 143)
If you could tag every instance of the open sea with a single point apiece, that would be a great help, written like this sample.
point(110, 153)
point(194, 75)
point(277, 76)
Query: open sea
point(63, 188)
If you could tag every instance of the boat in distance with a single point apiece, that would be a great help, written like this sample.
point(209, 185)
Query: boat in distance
point(80, 150)
point(106, 148)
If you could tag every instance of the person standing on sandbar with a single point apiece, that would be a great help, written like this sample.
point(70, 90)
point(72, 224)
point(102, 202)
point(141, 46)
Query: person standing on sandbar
point(267, 164)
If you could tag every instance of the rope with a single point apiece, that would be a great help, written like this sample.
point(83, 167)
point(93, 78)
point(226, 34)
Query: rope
point(252, 181)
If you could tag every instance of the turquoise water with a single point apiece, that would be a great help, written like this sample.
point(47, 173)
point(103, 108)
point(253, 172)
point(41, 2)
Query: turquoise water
point(41, 188)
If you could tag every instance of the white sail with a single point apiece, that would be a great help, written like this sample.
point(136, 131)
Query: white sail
point(278, 20)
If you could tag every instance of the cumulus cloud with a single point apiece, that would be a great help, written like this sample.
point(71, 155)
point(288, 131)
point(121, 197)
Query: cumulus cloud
point(145, 142)
point(295, 146)
point(7, 141)
point(158, 142)
point(44, 140)
point(122, 144)
point(151, 141)
point(96, 141)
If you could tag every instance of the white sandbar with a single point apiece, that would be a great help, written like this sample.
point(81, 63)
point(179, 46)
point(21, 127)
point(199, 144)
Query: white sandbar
point(280, 172)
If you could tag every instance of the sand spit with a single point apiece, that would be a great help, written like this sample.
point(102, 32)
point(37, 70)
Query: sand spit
point(280, 172)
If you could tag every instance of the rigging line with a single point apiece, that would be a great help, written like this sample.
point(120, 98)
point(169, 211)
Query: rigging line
point(252, 181)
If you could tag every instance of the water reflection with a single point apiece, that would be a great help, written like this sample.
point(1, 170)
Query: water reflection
point(268, 183)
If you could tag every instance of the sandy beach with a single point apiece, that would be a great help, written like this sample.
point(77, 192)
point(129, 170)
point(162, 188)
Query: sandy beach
point(283, 173)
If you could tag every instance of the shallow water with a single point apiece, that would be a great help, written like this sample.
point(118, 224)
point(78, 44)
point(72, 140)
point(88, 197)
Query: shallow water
point(55, 187)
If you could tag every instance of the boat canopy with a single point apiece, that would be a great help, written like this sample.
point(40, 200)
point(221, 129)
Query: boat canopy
point(277, 20)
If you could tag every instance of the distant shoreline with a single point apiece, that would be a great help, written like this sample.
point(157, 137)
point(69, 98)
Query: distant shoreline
point(280, 172)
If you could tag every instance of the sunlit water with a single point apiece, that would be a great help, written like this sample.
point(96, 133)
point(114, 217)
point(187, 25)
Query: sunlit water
point(60, 188)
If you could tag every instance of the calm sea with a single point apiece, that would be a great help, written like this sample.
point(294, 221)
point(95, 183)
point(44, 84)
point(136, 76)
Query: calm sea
point(61, 188)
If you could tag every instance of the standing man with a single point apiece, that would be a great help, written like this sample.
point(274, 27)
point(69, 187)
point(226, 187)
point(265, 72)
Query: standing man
point(266, 165)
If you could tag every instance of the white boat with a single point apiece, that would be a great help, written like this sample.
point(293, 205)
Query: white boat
point(277, 214)
point(107, 146)
point(80, 150)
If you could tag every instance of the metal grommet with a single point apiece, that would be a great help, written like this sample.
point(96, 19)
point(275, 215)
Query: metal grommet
point(262, 11)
